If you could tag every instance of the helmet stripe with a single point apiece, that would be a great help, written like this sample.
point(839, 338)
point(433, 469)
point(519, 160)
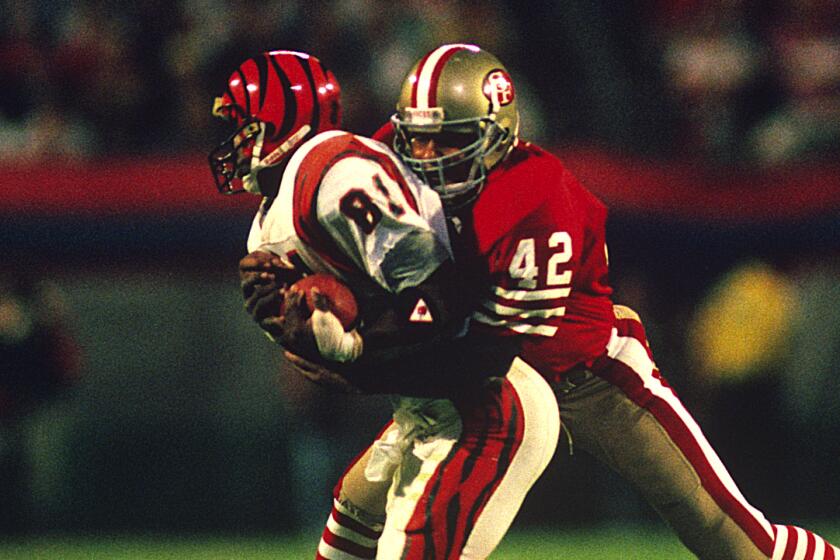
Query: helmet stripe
point(429, 71)
point(323, 68)
point(416, 76)
point(262, 70)
point(290, 110)
point(244, 82)
point(316, 107)
point(333, 110)
point(435, 78)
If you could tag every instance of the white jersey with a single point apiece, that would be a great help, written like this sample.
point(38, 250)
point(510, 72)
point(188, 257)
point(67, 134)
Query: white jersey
point(348, 206)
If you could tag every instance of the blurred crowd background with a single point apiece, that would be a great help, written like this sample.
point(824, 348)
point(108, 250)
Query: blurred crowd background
point(135, 394)
point(729, 80)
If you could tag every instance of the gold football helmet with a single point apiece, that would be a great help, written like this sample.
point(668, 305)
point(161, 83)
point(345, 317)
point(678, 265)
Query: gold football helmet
point(463, 92)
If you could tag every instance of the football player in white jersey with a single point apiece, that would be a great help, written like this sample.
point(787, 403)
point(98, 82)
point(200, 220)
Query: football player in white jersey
point(332, 201)
point(339, 203)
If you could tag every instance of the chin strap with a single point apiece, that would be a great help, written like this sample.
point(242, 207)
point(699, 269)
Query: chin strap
point(249, 181)
point(281, 150)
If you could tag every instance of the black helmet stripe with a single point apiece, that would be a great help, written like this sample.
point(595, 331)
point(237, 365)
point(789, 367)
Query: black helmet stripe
point(324, 69)
point(262, 71)
point(316, 107)
point(244, 89)
point(290, 112)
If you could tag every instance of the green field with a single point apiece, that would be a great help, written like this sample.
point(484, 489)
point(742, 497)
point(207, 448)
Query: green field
point(621, 543)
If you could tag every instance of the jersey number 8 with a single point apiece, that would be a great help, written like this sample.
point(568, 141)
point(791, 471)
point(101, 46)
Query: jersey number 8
point(358, 206)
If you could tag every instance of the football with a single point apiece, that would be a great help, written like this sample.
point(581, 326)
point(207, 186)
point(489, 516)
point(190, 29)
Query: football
point(341, 298)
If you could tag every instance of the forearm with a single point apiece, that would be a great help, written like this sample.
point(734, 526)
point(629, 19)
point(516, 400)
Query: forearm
point(414, 343)
point(421, 315)
point(437, 367)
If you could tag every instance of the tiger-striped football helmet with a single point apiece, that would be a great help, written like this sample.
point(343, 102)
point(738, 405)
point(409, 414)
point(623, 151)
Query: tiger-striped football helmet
point(277, 100)
point(457, 91)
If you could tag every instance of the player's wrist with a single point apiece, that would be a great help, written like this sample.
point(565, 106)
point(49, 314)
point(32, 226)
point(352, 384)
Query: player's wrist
point(333, 342)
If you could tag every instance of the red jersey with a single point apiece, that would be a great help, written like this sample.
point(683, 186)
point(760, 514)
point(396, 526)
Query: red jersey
point(538, 238)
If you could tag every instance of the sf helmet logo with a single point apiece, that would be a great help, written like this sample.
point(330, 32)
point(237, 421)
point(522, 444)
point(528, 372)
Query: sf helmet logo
point(498, 88)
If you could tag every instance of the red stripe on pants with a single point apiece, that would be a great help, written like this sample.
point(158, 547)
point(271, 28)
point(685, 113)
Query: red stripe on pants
point(633, 385)
point(462, 484)
point(348, 546)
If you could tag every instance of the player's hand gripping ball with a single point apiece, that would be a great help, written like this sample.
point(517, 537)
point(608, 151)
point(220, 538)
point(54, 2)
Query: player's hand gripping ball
point(264, 279)
point(319, 314)
point(339, 298)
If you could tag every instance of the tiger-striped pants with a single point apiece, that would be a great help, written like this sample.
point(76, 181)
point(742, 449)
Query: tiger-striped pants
point(457, 492)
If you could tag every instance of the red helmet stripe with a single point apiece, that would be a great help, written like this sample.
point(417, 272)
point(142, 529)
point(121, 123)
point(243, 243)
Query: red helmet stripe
point(290, 108)
point(424, 93)
point(416, 84)
point(433, 82)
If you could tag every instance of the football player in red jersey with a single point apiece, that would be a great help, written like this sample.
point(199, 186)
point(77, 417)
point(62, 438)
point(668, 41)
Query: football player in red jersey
point(532, 239)
point(342, 204)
